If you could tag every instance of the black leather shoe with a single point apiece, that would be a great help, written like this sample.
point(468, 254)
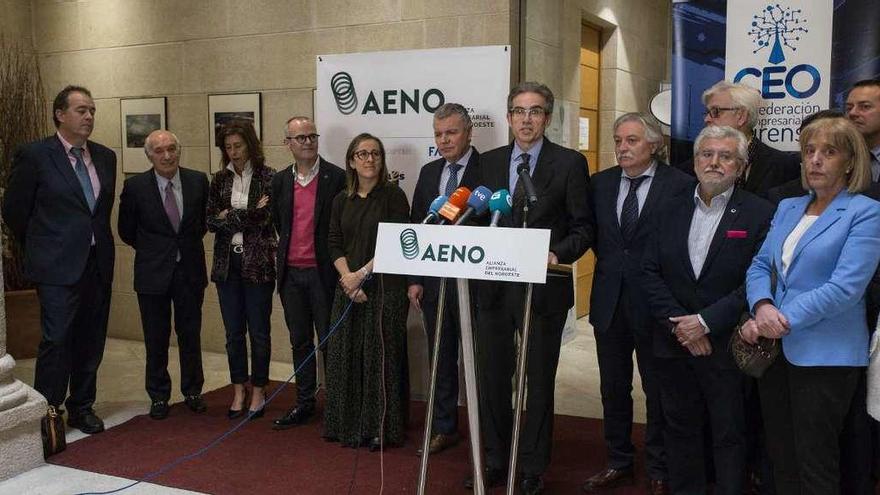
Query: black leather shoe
point(256, 414)
point(86, 422)
point(491, 478)
point(531, 485)
point(159, 409)
point(233, 414)
point(295, 417)
point(195, 403)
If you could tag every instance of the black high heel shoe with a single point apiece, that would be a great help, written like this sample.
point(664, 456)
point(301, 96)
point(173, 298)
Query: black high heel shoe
point(235, 414)
point(256, 414)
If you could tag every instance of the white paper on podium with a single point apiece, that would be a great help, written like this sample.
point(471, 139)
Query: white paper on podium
point(501, 254)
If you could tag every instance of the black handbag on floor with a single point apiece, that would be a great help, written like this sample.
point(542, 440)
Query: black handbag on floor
point(52, 428)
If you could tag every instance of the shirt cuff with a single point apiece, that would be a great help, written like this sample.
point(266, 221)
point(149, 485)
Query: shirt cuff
point(703, 322)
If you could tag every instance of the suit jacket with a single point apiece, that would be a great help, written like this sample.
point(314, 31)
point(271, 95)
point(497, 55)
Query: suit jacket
point(561, 180)
point(823, 292)
point(46, 210)
point(144, 225)
point(718, 293)
point(255, 224)
point(769, 168)
point(331, 180)
point(425, 192)
point(618, 263)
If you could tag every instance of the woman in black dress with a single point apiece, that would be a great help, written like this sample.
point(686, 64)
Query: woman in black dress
point(366, 374)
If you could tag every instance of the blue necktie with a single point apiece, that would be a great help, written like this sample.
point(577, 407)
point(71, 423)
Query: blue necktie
point(452, 181)
point(629, 214)
point(83, 175)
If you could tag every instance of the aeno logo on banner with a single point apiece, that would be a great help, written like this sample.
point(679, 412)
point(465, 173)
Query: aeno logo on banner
point(776, 28)
point(388, 101)
point(446, 253)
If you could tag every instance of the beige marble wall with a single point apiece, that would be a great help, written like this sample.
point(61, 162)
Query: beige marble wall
point(634, 58)
point(187, 50)
point(16, 22)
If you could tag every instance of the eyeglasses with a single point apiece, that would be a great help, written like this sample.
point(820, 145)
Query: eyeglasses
point(723, 156)
point(521, 112)
point(715, 112)
point(362, 155)
point(302, 138)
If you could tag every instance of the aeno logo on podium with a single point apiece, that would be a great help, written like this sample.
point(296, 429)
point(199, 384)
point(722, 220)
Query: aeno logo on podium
point(776, 28)
point(446, 253)
point(388, 101)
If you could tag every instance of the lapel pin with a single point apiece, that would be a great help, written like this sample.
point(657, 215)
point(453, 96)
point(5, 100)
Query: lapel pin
point(733, 210)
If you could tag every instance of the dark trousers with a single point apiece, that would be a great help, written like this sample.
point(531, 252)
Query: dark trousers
point(857, 443)
point(804, 409)
point(74, 325)
point(496, 362)
point(615, 349)
point(306, 304)
point(246, 309)
point(156, 319)
point(689, 387)
point(446, 393)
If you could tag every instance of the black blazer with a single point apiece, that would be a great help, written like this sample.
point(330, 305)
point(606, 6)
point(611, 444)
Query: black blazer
point(618, 264)
point(45, 208)
point(718, 293)
point(331, 180)
point(561, 180)
point(770, 168)
point(426, 192)
point(144, 226)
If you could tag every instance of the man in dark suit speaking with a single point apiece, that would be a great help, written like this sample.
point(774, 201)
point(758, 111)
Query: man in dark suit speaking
point(561, 179)
point(458, 166)
point(57, 204)
point(162, 216)
point(627, 201)
point(694, 276)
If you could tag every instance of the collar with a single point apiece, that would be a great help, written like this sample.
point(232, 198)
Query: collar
point(162, 181)
point(248, 170)
point(723, 197)
point(650, 172)
point(465, 158)
point(533, 152)
point(312, 171)
point(876, 152)
point(67, 146)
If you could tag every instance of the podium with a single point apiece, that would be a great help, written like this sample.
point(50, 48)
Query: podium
point(463, 253)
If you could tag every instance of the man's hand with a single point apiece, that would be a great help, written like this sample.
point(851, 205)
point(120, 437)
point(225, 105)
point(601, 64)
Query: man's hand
point(552, 259)
point(701, 347)
point(771, 322)
point(687, 329)
point(415, 292)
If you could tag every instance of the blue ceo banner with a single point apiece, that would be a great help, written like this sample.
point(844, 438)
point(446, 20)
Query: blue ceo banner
point(803, 55)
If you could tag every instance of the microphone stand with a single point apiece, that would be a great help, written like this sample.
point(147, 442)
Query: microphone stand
point(470, 382)
point(429, 408)
point(520, 376)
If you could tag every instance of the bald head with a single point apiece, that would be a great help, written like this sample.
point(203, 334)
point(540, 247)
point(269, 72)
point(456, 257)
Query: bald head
point(163, 150)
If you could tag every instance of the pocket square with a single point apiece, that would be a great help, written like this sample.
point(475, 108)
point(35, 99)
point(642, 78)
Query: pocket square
point(737, 234)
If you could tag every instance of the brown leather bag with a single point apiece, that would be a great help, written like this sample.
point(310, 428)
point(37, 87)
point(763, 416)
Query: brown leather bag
point(754, 359)
point(52, 428)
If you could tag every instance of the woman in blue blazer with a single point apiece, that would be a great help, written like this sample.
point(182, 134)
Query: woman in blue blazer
point(823, 248)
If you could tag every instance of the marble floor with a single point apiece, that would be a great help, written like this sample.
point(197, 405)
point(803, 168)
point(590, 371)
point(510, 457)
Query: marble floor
point(121, 397)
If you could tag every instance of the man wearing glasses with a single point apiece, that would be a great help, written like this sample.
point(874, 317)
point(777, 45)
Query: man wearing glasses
point(736, 105)
point(302, 195)
point(561, 179)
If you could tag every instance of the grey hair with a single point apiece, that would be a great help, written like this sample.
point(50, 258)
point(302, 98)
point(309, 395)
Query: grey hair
point(296, 117)
point(447, 110)
point(743, 96)
point(724, 132)
point(148, 144)
point(653, 131)
point(531, 87)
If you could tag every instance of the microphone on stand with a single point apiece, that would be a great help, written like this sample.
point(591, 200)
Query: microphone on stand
point(501, 205)
point(523, 171)
point(457, 200)
point(434, 209)
point(477, 204)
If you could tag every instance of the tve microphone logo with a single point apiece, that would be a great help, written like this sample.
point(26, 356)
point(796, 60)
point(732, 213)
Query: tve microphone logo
point(783, 49)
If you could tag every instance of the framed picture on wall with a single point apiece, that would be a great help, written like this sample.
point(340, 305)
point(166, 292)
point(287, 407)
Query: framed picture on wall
point(229, 107)
point(139, 117)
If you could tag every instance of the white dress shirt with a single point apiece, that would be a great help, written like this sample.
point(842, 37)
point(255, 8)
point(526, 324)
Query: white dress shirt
point(794, 238)
point(304, 180)
point(641, 192)
point(444, 175)
point(241, 184)
point(703, 226)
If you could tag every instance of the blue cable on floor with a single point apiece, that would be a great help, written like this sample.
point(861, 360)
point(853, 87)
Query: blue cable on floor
point(171, 465)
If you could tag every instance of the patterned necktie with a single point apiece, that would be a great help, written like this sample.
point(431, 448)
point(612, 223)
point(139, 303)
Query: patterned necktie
point(171, 206)
point(452, 181)
point(629, 214)
point(519, 192)
point(83, 175)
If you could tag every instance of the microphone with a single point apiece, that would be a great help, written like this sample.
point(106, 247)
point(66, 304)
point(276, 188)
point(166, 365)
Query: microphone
point(477, 203)
point(434, 209)
point(501, 205)
point(457, 200)
point(523, 171)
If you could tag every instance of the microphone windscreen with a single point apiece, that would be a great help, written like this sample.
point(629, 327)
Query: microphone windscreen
point(437, 204)
point(459, 197)
point(479, 200)
point(501, 201)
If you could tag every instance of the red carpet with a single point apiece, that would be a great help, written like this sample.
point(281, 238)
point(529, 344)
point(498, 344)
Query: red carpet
point(257, 459)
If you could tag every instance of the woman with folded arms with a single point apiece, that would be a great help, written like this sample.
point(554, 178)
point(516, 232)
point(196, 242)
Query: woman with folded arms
point(823, 249)
point(244, 260)
point(367, 383)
